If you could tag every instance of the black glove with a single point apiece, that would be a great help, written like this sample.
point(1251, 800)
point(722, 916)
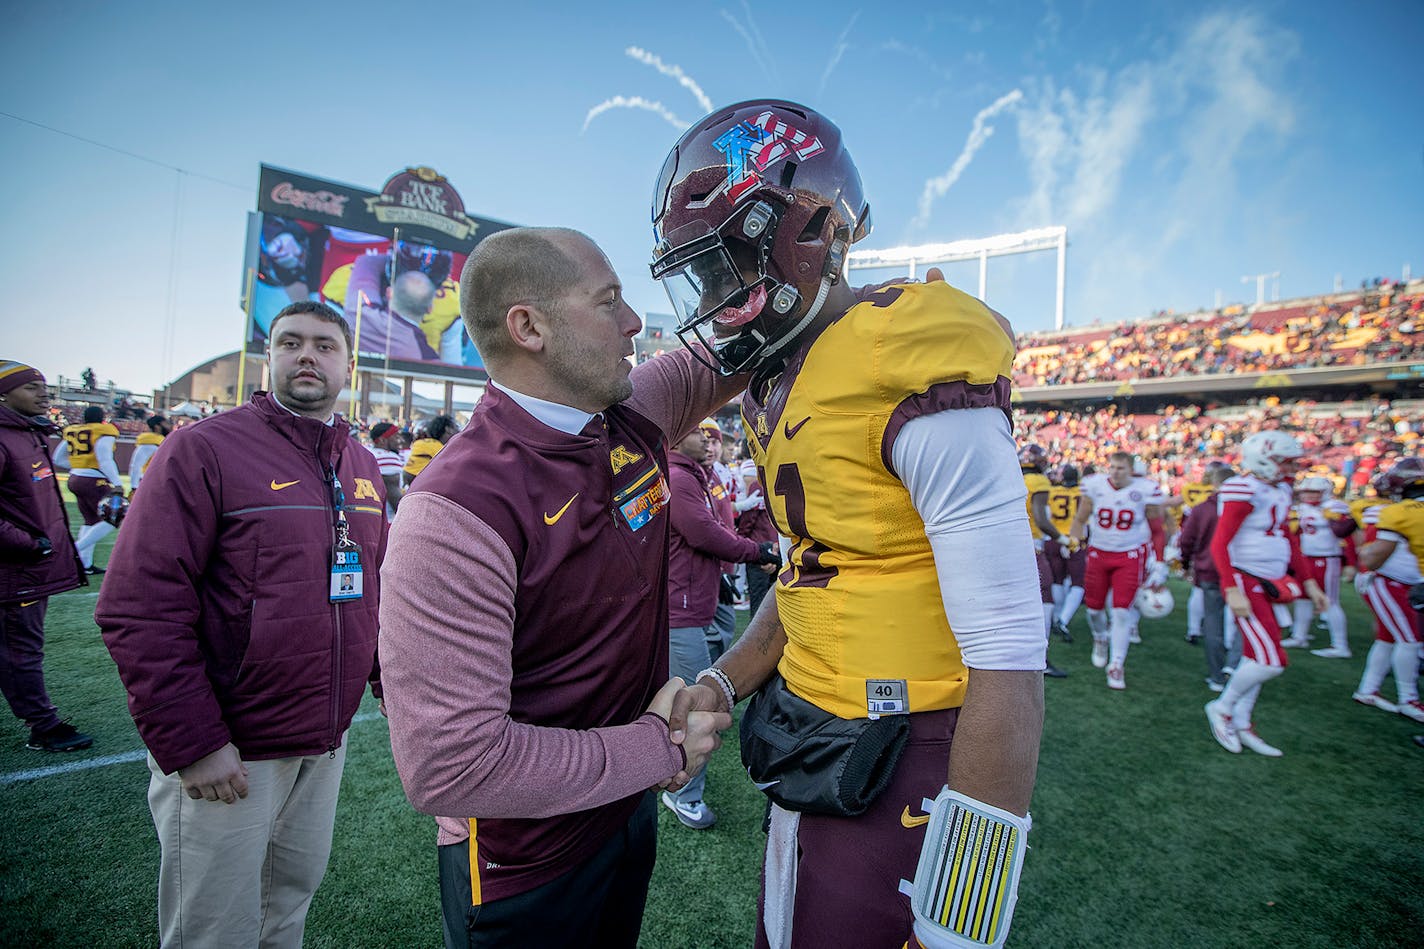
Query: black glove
point(43, 547)
point(728, 591)
point(769, 553)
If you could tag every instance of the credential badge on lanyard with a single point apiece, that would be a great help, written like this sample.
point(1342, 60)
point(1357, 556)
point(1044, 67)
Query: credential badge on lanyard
point(347, 580)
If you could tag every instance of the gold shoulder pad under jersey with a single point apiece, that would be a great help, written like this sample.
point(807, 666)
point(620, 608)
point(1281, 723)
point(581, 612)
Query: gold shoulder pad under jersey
point(859, 597)
point(1406, 518)
point(149, 438)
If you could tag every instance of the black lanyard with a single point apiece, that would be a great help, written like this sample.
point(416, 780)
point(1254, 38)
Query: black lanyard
point(338, 498)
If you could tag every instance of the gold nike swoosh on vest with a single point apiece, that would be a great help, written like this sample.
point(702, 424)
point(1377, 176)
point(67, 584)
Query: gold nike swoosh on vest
point(37, 464)
point(912, 822)
point(552, 519)
point(279, 485)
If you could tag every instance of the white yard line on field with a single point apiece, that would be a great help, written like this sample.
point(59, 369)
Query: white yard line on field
point(34, 774)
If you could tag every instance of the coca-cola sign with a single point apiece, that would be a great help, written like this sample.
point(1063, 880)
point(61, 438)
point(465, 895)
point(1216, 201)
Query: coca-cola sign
point(323, 202)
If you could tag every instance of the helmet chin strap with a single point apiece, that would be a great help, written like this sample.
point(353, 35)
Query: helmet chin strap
point(795, 331)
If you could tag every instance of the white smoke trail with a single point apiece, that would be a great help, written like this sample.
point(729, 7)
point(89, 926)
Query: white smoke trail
point(634, 102)
point(838, 52)
point(978, 135)
point(753, 46)
point(675, 72)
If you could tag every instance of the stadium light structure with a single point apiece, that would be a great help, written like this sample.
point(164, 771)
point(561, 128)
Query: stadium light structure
point(980, 249)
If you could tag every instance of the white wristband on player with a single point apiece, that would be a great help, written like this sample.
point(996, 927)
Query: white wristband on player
point(967, 880)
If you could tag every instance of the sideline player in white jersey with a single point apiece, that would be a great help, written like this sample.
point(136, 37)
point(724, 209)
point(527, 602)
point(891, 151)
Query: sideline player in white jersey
point(1323, 522)
point(1253, 548)
point(1390, 565)
point(1122, 509)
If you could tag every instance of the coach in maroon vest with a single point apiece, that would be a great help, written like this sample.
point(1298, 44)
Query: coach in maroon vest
point(524, 627)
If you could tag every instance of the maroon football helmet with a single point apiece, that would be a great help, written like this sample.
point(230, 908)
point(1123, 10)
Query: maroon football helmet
point(753, 214)
point(1403, 475)
point(1033, 456)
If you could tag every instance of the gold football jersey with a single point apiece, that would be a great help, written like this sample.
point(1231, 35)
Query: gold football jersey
point(860, 598)
point(148, 438)
point(1406, 518)
point(82, 438)
point(1063, 505)
point(422, 452)
point(1035, 483)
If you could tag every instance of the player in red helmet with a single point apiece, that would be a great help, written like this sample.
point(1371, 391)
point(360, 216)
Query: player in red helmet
point(907, 606)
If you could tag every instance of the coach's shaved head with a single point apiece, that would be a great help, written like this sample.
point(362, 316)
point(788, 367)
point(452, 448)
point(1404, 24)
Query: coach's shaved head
point(520, 265)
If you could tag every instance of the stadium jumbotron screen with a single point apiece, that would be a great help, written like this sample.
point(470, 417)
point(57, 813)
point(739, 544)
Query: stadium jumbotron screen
point(389, 261)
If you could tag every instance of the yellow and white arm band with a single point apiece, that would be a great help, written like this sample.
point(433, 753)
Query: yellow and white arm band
point(967, 880)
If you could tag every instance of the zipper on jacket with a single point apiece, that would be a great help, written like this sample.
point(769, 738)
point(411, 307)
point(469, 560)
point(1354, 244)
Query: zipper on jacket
point(329, 476)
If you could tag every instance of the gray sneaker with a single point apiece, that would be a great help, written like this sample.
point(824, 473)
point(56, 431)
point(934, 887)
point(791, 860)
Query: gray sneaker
point(694, 814)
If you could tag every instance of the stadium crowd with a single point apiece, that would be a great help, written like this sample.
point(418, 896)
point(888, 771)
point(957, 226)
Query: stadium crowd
point(1378, 327)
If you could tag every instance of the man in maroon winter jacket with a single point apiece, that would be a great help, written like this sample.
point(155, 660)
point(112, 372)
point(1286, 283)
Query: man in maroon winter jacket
point(37, 556)
point(700, 543)
point(243, 654)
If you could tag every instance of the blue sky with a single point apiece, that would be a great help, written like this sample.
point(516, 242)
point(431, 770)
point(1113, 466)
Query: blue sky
point(1183, 145)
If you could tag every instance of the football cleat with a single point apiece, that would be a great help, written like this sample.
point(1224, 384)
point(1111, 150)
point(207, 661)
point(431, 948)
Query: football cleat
point(1115, 677)
point(1134, 637)
point(1376, 700)
point(1053, 672)
point(1222, 729)
point(1100, 652)
point(1413, 710)
point(1060, 629)
point(1249, 739)
point(1295, 642)
point(1214, 685)
point(1330, 652)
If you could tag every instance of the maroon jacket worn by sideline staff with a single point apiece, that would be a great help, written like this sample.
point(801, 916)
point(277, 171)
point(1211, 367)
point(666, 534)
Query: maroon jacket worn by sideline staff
point(32, 507)
point(215, 607)
point(700, 543)
point(524, 630)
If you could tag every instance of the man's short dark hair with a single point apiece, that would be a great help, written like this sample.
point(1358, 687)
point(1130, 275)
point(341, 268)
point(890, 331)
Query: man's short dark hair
point(93, 413)
point(518, 265)
point(154, 421)
point(319, 310)
point(439, 425)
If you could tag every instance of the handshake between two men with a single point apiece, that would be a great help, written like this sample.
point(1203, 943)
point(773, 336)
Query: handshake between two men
point(694, 726)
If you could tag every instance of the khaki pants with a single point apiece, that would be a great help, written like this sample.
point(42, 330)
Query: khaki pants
point(244, 874)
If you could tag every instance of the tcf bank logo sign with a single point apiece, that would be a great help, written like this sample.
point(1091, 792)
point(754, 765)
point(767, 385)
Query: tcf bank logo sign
point(423, 198)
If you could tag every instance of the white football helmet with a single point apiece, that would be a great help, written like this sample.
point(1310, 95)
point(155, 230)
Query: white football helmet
point(1317, 483)
point(1271, 456)
point(1155, 602)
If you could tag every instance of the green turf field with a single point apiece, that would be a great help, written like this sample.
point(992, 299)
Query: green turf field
point(1146, 833)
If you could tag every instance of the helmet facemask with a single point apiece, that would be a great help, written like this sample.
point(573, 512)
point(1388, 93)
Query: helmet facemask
point(727, 293)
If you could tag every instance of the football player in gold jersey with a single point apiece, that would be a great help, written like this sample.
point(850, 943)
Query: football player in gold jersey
point(87, 450)
point(1392, 568)
point(1069, 564)
point(1033, 462)
point(423, 450)
point(146, 446)
point(880, 424)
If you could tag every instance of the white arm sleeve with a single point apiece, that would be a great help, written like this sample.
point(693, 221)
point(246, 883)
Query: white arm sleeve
point(61, 454)
point(141, 454)
point(962, 471)
point(104, 454)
